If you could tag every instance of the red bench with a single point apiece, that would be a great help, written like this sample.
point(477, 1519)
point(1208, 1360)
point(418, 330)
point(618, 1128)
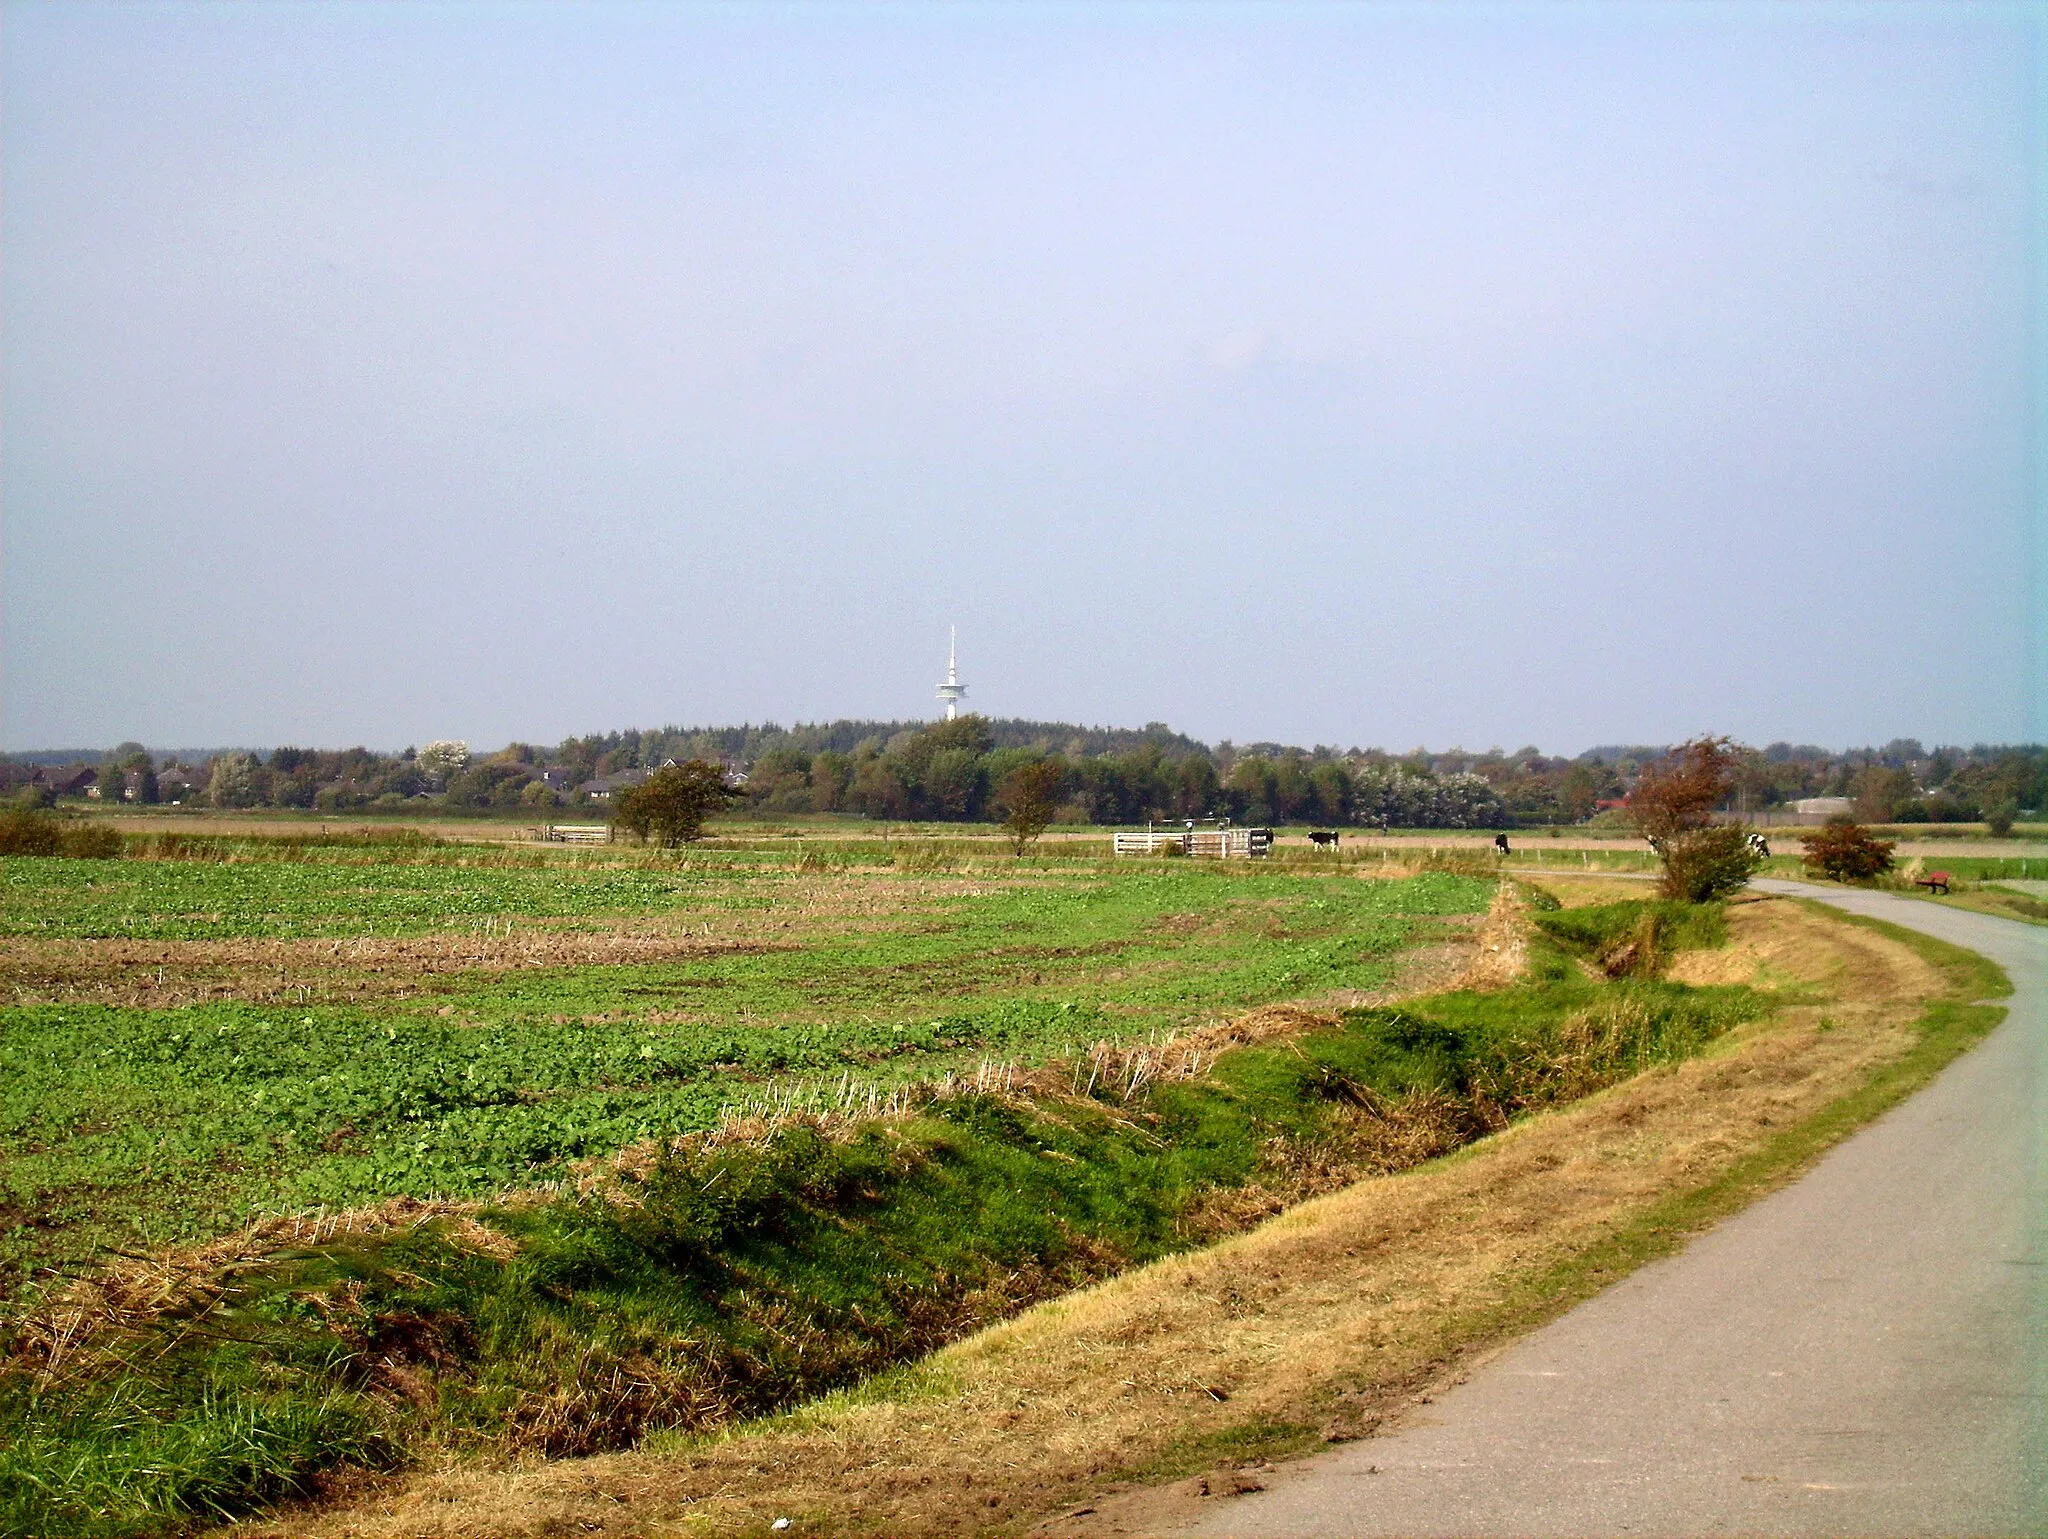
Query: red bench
point(1933, 881)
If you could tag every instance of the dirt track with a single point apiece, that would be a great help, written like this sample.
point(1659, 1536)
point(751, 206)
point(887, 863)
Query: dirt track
point(1866, 1352)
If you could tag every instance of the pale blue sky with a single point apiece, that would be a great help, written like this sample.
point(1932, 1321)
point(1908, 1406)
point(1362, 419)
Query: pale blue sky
point(1322, 373)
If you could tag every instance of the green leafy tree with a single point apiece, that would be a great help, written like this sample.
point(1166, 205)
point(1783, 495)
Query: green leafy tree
point(1253, 789)
point(1029, 795)
point(970, 732)
point(670, 806)
point(831, 774)
point(1332, 793)
point(1193, 787)
point(233, 781)
point(1999, 817)
point(953, 786)
point(780, 781)
point(877, 789)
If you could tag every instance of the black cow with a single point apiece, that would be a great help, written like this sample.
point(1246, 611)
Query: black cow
point(1324, 838)
point(1500, 845)
point(1760, 846)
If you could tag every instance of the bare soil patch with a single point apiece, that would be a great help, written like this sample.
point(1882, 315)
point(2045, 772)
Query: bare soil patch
point(167, 974)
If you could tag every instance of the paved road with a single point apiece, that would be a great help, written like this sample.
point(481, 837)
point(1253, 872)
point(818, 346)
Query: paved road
point(1865, 1352)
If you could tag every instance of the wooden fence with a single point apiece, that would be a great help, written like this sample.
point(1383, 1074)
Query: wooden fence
point(575, 833)
point(1209, 843)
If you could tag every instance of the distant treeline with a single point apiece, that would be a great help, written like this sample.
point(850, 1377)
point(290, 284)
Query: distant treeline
point(955, 771)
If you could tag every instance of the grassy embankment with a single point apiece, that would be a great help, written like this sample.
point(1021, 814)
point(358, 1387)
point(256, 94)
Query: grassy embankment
point(1327, 1322)
point(710, 1279)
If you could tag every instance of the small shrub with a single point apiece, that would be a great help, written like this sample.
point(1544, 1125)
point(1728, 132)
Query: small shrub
point(91, 841)
point(1998, 819)
point(670, 806)
point(1031, 795)
point(1708, 863)
point(28, 833)
point(23, 833)
point(1844, 851)
point(923, 857)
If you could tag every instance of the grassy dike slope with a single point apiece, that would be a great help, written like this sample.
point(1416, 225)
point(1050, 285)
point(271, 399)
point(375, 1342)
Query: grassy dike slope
point(1320, 1324)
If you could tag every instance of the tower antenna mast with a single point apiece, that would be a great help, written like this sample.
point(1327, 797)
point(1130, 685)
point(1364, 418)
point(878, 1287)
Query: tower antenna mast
point(952, 690)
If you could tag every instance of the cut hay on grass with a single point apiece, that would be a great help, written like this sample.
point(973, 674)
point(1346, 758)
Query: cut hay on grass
point(90, 1319)
point(1119, 1071)
point(1324, 1323)
point(1501, 949)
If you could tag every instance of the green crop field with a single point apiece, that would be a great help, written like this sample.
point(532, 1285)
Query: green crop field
point(494, 1044)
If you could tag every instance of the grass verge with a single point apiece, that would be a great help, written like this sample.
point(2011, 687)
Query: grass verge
point(1946, 1028)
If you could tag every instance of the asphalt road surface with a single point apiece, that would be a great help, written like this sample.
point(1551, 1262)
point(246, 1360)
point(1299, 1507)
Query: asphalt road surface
point(1862, 1353)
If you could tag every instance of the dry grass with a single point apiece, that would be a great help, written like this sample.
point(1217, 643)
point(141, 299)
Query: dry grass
point(1501, 950)
point(1762, 949)
point(1335, 1315)
point(1580, 891)
point(1122, 1070)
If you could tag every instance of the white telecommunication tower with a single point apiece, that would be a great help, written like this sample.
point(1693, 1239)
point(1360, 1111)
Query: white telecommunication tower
point(952, 690)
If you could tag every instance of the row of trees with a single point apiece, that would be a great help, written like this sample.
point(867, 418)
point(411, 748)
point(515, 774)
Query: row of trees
point(956, 771)
point(1676, 803)
point(1902, 782)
